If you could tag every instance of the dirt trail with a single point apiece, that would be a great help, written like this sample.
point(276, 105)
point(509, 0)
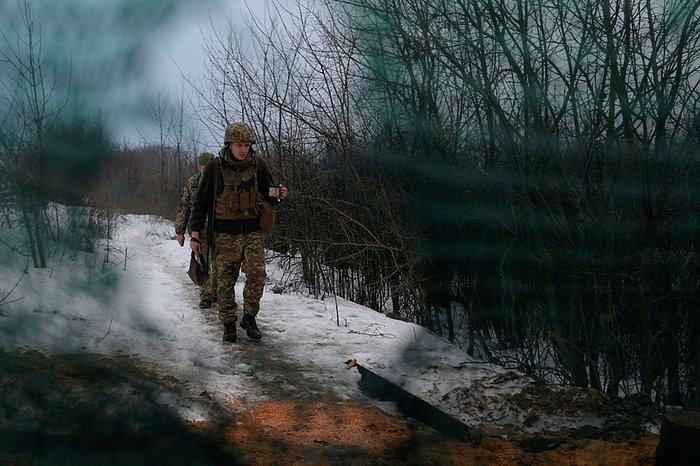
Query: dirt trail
point(106, 409)
point(292, 419)
point(297, 422)
point(116, 409)
point(270, 363)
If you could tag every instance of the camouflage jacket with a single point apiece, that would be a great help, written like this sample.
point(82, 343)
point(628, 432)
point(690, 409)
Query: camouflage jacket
point(184, 208)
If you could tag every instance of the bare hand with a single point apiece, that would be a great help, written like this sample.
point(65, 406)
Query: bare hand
point(284, 192)
point(195, 244)
point(180, 240)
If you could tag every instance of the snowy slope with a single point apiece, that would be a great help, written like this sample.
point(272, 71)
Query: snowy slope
point(141, 302)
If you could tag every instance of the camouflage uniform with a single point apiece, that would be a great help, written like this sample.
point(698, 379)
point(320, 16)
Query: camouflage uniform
point(230, 250)
point(183, 209)
point(237, 234)
point(206, 291)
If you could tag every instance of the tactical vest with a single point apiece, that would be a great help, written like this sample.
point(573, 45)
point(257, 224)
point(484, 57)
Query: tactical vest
point(240, 199)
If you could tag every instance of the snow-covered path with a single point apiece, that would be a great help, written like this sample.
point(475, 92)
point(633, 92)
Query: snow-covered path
point(185, 341)
point(141, 303)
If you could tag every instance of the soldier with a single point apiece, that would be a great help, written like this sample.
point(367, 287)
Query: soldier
point(206, 291)
point(233, 188)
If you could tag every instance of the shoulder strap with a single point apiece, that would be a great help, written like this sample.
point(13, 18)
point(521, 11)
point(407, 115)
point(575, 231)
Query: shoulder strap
point(210, 216)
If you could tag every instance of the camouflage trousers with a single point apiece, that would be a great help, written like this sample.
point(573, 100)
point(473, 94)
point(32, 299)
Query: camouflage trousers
point(207, 290)
point(231, 251)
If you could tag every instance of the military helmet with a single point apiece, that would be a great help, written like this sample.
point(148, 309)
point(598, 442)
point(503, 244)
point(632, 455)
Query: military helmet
point(239, 132)
point(204, 158)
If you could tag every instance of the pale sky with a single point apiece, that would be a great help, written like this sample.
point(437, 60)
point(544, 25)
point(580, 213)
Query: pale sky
point(119, 55)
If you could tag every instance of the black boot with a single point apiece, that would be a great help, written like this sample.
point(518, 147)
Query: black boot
point(205, 303)
point(251, 328)
point(230, 332)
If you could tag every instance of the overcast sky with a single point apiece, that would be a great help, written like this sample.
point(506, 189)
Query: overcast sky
point(121, 54)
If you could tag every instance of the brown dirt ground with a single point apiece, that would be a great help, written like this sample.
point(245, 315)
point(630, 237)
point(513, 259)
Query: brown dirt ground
point(89, 409)
point(331, 431)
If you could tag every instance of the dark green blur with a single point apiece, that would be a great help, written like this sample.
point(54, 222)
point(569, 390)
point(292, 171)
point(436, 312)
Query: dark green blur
point(548, 153)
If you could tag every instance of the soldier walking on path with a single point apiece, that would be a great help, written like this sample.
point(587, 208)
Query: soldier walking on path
point(182, 218)
point(236, 187)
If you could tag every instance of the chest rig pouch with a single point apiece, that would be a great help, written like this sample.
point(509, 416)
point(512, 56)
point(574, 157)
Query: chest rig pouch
point(240, 199)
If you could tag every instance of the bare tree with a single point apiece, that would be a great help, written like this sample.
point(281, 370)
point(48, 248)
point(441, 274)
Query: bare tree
point(570, 112)
point(178, 143)
point(514, 175)
point(29, 93)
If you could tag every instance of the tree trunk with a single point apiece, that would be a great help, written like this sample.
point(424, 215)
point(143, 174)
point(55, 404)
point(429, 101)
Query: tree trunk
point(38, 234)
point(30, 234)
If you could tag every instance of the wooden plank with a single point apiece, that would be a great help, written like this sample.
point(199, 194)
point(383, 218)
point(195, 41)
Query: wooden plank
point(412, 406)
